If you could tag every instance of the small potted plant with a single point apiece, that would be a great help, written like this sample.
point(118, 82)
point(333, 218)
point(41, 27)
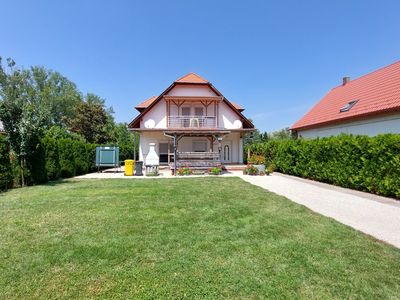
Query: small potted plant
point(214, 171)
point(258, 161)
point(250, 170)
point(270, 169)
point(184, 171)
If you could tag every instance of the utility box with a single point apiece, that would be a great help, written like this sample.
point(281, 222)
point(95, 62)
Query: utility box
point(129, 163)
point(107, 157)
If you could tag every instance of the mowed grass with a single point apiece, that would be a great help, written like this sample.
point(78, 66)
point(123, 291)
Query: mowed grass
point(182, 238)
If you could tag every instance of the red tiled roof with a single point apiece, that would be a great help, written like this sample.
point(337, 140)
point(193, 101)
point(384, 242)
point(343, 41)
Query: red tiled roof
point(145, 103)
point(191, 78)
point(237, 106)
point(377, 92)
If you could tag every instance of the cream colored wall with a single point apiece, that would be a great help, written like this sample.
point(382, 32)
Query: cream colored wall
point(185, 144)
point(157, 114)
point(191, 90)
point(370, 126)
point(227, 117)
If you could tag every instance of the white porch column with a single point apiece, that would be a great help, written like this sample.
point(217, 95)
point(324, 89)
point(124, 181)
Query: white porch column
point(241, 149)
point(141, 146)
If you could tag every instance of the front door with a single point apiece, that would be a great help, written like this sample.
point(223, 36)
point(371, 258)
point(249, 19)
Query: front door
point(226, 152)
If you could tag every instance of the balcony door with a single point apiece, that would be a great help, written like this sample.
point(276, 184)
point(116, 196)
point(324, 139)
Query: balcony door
point(185, 111)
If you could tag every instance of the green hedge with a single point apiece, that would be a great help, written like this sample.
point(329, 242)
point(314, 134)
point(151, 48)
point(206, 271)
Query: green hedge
point(6, 170)
point(360, 162)
point(67, 157)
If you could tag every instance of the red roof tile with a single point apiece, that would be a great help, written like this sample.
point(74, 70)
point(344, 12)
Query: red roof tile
point(145, 103)
point(237, 106)
point(191, 78)
point(376, 92)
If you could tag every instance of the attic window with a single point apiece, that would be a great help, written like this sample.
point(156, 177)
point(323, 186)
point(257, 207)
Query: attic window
point(348, 106)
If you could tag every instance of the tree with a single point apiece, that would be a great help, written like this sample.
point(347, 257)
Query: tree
point(5, 166)
point(125, 140)
point(90, 121)
point(57, 94)
point(23, 114)
point(283, 134)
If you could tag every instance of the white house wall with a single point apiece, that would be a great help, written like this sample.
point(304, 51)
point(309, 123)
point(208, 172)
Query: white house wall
point(227, 117)
point(157, 115)
point(371, 127)
point(186, 144)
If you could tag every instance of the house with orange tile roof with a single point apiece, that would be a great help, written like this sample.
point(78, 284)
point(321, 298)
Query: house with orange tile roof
point(191, 123)
point(368, 105)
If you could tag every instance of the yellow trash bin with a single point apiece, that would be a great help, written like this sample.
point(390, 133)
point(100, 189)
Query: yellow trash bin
point(129, 163)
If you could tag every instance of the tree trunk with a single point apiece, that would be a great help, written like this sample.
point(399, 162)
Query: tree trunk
point(22, 166)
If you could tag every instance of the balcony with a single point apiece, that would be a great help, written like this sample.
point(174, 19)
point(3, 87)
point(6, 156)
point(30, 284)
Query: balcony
point(183, 122)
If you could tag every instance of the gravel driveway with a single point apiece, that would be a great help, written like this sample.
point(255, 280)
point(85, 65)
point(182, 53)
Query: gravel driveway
point(371, 214)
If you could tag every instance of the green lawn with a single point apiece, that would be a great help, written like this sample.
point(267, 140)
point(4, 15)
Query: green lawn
point(182, 238)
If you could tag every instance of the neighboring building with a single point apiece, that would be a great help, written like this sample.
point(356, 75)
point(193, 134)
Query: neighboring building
point(193, 115)
point(368, 105)
point(2, 132)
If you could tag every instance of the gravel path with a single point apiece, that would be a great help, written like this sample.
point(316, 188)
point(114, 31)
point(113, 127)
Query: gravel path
point(371, 214)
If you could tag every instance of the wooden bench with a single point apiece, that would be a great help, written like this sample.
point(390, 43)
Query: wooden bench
point(197, 160)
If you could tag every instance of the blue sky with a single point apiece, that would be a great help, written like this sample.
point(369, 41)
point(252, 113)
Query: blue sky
point(276, 58)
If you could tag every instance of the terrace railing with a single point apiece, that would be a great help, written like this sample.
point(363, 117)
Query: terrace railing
point(192, 122)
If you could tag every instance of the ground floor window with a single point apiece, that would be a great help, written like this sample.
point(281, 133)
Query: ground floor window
point(165, 150)
point(199, 146)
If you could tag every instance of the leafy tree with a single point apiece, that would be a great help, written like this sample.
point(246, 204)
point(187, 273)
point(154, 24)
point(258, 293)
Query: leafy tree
point(90, 121)
point(59, 95)
point(6, 176)
point(22, 112)
point(57, 132)
point(283, 134)
point(125, 140)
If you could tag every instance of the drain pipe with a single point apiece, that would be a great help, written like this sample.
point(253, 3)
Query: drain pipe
point(173, 137)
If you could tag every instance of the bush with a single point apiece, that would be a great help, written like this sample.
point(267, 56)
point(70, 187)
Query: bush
point(256, 160)
point(215, 171)
point(81, 158)
point(36, 165)
point(6, 170)
point(360, 162)
point(91, 157)
point(67, 159)
point(52, 157)
point(250, 170)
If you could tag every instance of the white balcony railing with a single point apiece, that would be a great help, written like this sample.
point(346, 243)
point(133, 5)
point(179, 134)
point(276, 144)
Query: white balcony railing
point(192, 122)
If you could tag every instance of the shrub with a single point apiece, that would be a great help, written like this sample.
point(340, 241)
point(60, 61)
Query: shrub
point(214, 171)
point(360, 162)
point(52, 158)
point(36, 165)
point(81, 158)
point(250, 170)
point(67, 159)
point(6, 170)
point(184, 171)
point(256, 160)
point(91, 157)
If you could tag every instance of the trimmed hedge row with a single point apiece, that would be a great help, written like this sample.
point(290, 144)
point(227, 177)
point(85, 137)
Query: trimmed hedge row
point(6, 170)
point(360, 162)
point(67, 157)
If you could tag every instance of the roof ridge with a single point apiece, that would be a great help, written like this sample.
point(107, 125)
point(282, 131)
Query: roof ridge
point(372, 72)
point(193, 74)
